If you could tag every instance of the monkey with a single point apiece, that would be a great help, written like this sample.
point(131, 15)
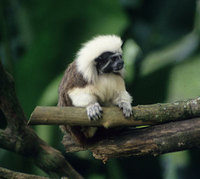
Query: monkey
point(95, 79)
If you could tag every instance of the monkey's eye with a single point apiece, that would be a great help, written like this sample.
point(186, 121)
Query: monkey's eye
point(100, 61)
point(114, 58)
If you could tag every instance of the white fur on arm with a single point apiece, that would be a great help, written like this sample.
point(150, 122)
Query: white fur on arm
point(123, 97)
point(81, 98)
point(123, 101)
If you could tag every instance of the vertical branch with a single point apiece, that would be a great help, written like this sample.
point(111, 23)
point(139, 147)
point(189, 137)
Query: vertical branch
point(20, 138)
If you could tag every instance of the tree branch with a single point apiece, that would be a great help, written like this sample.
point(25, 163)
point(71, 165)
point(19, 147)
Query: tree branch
point(113, 117)
point(154, 140)
point(20, 138)
point(7, 174)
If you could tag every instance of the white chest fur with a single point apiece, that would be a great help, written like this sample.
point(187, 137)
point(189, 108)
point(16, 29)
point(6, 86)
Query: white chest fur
point(108, 87)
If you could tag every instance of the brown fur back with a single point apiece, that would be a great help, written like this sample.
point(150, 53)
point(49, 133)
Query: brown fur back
point(72, 78)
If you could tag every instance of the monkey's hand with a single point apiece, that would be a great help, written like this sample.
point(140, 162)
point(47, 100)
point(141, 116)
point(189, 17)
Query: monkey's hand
point(94, 111)
point(126, 108)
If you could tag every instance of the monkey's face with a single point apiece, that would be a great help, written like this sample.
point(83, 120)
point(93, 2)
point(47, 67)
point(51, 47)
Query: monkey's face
point(109, 62)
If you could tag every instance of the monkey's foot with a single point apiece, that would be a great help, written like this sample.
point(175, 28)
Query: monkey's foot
point(94, 111)
point(126, 108)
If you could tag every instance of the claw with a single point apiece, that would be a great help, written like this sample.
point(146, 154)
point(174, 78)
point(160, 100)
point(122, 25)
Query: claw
point(94, 111)
point(126, 108)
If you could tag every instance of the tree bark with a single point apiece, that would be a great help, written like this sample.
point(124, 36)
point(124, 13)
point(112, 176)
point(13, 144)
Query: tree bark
point(16, 136)
point(153, 140)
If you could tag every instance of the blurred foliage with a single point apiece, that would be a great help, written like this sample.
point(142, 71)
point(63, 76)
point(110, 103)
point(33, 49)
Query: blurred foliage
point(38, 39)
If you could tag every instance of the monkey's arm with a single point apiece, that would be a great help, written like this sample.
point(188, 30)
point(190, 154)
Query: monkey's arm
point(123, 101)
point(82, 97)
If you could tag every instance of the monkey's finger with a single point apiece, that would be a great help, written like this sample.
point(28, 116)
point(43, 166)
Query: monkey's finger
point(127, 112)
point(98, 107)
point(89, 113)
point(92, 114)
point(95, 116)
point(98, 112)
point(94, 111)
point(122, 105)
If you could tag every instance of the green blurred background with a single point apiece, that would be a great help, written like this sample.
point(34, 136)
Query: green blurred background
point(39, 38)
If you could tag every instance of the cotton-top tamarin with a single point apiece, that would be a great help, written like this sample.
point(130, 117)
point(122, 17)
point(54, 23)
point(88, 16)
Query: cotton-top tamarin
point(95, 79)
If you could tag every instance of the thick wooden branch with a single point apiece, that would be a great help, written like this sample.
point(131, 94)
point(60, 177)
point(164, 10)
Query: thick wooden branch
point(112, 116)
point(154, 140)
point(20, 138)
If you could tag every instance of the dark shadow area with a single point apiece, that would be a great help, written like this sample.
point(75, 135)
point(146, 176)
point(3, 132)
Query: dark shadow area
point(3, 121)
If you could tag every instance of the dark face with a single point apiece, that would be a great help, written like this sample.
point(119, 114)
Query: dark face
point(109, 62)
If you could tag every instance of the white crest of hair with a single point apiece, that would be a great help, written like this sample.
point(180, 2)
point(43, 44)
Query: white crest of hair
point(91, 50)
